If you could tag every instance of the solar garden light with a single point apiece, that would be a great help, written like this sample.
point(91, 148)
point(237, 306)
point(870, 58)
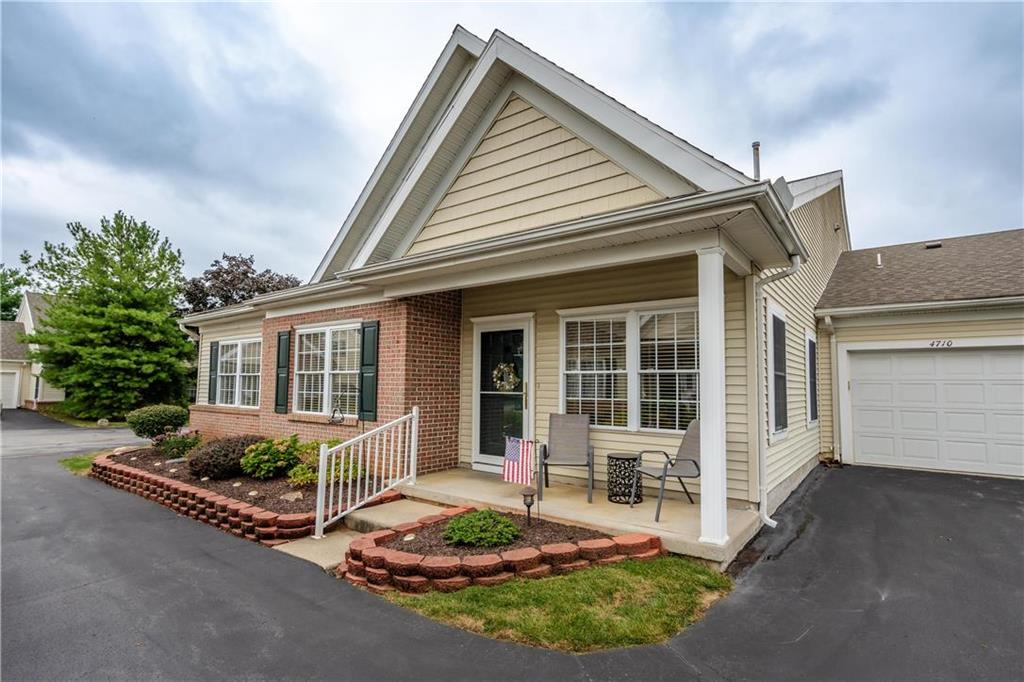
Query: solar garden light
point(528, 494)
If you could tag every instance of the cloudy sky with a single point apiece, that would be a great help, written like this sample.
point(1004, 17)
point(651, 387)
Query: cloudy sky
point(251, 128)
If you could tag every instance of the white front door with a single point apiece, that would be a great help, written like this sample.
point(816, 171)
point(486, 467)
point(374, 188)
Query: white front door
point(502, 366)
point(9, 386)
point(950, 410)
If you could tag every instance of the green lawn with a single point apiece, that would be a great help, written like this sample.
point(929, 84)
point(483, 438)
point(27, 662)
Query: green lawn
point(79, 465)
point(56, 411)
point(626, 604)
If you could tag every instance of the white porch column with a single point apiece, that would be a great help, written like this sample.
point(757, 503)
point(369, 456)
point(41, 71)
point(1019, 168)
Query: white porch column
point(714, 529)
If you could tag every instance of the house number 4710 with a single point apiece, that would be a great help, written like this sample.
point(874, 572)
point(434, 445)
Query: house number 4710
point(941, 343)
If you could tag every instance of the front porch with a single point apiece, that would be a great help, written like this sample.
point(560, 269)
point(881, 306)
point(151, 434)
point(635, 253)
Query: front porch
point(679, 529)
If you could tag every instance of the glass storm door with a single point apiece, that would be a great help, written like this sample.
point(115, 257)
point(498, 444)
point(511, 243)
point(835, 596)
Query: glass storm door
point(501, 396)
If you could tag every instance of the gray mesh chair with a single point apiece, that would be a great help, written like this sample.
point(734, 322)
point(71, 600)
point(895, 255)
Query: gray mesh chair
point(686, 464)
point(568, 446)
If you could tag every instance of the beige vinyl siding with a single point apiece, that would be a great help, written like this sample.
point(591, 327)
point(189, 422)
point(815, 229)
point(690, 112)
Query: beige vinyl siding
point(676, 278)
point(528, 171)
point(797, 295)
point(47, 392)
point(249, 328)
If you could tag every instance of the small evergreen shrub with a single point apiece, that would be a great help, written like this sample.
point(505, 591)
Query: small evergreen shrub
point(153, 420)
point(307, 471)
point(484, 528)
point(271, 458)
point(175, 445)
point(221, 458)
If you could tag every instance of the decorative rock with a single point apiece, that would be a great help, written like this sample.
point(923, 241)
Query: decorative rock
point(103, 422)
point(253, 493)
point(524, 559)
point(614, 559)
point(377, 576)
point(173, 470)
point(375, 556)
point(560, 553)
point(292, 497)
point(410, 536)
point(411, 583)
point(207, 478)
point(402, 563)
point(600, 548)
point(491, 580)
point(634, 543)
point(571, 566)
point(542, 571)
point(453, 584)
point(132, 459)
point(482, 565)
point(236, 484)
point(440, 566)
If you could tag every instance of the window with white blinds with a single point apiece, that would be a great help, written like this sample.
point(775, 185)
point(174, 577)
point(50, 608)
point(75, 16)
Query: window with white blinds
point(327, 370)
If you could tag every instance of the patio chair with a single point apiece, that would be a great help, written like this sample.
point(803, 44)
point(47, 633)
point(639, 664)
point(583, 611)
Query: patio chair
point(686, 464)
point(568, 446)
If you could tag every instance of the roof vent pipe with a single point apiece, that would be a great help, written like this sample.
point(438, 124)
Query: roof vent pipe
point(878, 260)
point(756, 146)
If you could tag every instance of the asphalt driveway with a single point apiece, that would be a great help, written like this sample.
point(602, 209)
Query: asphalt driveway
point(873, 574)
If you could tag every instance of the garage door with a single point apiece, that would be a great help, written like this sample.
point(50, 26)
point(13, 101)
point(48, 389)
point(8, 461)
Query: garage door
point(951, 410)
point(9, 389)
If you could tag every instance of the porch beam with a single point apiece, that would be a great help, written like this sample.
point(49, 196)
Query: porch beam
point(714, 528)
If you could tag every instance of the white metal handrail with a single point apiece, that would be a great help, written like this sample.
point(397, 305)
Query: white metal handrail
point(363, 468)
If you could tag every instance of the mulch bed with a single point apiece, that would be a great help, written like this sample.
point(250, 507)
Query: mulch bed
point(429, 540)
point(268, 493)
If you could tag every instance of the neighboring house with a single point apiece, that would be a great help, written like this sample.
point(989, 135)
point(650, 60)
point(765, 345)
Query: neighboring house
point(34, 389)
point(15, 372)
point(928, 363)
point(522, 221)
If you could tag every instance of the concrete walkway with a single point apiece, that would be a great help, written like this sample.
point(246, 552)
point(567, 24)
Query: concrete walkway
point(873, 574)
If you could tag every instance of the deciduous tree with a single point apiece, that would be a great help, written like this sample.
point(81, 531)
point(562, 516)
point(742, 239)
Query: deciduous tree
point(230, 280)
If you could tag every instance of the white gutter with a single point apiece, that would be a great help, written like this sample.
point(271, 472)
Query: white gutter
point(918, 306)
point(762, 434)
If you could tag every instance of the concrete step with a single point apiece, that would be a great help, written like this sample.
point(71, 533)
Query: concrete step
point(387, 515)
point(327, 552)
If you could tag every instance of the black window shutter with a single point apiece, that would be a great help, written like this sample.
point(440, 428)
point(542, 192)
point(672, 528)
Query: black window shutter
point(211, 396)
point(368, 371)
point(281, 383)
point(779, 372)
point(812, 373)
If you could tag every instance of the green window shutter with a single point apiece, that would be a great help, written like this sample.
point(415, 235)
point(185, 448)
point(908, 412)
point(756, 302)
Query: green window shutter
point(211, 396)
point(281, 385)
point(368, 371)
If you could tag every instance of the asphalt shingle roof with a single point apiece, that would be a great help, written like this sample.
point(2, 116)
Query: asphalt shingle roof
point(973, 267)
point(11, 348)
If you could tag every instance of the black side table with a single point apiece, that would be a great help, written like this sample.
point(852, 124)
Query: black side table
point(621, 473)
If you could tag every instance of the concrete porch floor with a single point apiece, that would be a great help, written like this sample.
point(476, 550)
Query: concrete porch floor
point(679, 528)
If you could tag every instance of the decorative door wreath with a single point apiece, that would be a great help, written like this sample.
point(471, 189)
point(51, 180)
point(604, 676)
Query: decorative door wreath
point(504, 377)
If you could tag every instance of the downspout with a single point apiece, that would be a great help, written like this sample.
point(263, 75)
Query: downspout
point(762, 434)
point(837, 450)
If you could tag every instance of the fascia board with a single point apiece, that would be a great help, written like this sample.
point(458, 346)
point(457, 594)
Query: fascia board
point(848, 311)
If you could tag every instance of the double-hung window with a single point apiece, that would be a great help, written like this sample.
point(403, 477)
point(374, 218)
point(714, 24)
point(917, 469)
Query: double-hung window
point(327, 370)
point(238, 373)
point(632, 368)
point(777, 404)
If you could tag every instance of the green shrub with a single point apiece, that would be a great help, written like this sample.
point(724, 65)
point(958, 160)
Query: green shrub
point(484, 528)
point(153, 420)
point(271, 458)
point(221, 458)
point(175, 445)
point(307, 471)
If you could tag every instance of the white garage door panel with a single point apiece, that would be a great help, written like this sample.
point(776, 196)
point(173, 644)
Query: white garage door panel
point(9, 389)
point(952, 410)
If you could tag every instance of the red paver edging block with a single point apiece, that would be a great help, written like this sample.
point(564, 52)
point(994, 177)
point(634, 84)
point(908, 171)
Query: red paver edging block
point(234, 516)
point(369, 564)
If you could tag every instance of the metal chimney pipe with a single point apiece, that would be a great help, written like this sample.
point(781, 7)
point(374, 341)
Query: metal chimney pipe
point(756, 146)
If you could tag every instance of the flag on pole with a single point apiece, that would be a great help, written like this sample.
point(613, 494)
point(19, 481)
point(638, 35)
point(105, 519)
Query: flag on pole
point(518, 464)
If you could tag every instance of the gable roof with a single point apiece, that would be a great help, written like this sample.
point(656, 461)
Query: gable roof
point(982, 266)
point(11, 347)
point(37, 305)
point(367, 239)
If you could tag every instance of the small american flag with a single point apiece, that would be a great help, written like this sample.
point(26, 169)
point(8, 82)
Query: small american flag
point(518, 464)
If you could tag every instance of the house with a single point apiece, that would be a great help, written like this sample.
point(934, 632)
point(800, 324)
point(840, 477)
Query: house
point(526, 246)
point(23, 384)
point(926, 339)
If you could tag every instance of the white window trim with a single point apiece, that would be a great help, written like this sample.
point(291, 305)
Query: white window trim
point(809, 335)
point(774, 310)
point(327, 329)
point(631, 313)
point(237, 398)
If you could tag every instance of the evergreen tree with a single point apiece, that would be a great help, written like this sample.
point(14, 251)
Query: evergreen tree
point(110, 337)
point(12, 282)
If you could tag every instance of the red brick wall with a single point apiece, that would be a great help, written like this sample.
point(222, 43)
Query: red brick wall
point(418, 364)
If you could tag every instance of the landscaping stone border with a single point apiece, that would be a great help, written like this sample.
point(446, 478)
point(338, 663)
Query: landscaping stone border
point(237, 517)
point(381, 569)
